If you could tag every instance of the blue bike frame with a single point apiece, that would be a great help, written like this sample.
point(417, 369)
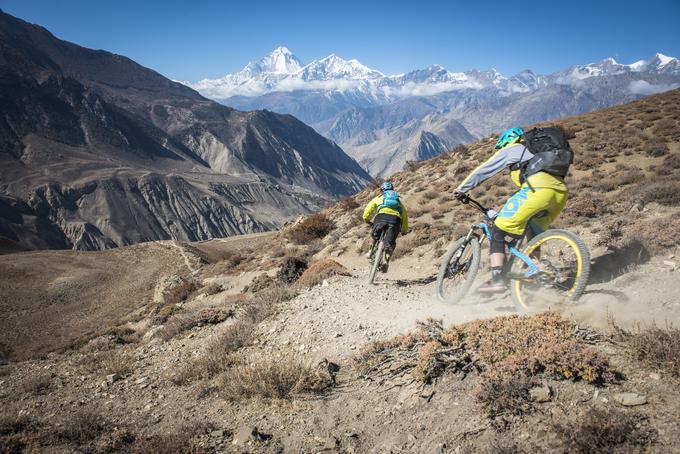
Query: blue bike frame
point(532, 268)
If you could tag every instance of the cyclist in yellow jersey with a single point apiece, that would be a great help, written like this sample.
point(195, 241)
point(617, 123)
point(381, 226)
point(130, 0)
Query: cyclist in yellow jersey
point(390, 216)
point(540, 199)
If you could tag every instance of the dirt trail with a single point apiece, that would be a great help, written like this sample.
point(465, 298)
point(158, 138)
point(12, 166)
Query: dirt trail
point(339, 318)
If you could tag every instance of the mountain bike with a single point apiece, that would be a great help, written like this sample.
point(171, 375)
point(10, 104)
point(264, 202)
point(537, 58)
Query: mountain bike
point(552, 267)
point(377, 259)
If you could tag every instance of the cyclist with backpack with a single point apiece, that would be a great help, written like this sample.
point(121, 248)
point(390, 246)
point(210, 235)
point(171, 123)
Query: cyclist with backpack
point(390, 216)
point(538, 161)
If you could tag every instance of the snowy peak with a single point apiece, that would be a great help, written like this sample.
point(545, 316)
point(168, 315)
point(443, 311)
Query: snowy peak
point(279, 61)
point(282, 71)
point(334, 67)
point(659, 63)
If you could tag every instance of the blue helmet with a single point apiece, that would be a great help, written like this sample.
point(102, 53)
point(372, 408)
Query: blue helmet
point(510, 136)
point(387, 186)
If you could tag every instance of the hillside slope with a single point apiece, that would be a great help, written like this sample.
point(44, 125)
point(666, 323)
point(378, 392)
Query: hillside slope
point(103, 152)
point(161, 347)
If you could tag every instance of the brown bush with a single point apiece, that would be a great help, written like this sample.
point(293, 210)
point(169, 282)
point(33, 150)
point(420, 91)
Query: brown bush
point(110, 362)
point(656, 148)
point(321, 270)
point(291, 269)
point(658, 235)
point(83, 427)
point(212, 289)
point(658, 348)
point(276, 378)
point(665, 127)
point(179, 291)
point(180, 323)
point(37, 384)
point(124, 334)
point(666, 193)
point(584, 206)
point(5, 353)
point(312, 227)
point(348, 204)
point(177, 441)
point(605, 430)
point(505, 396)
point(672, 161)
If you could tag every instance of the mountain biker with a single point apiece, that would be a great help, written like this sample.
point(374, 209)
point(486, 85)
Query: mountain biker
point(540, 199)
point(391, 217)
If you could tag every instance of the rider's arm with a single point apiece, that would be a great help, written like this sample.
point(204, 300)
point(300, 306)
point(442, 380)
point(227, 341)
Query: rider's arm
point(495, 164)
point(404, 220)
point(371, 207)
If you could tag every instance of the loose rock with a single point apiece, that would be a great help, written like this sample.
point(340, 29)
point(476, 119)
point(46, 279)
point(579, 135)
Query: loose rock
point(630, 399)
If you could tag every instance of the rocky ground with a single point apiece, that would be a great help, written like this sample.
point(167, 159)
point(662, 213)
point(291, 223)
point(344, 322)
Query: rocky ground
point(129, 387)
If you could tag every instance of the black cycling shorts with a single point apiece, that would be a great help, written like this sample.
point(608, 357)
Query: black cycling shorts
point(389, 223)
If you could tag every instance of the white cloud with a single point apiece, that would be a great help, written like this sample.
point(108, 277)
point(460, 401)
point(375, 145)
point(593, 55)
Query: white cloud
point(641, 87)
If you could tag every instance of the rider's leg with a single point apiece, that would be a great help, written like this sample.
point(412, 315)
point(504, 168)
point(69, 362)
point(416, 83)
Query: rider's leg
point(497, 261)
point(375, 236)
point(391, 239)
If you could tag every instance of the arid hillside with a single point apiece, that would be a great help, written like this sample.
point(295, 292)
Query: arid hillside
point(275, 342)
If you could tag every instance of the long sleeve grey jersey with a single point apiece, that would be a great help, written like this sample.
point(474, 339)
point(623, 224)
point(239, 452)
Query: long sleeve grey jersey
point(500, 160)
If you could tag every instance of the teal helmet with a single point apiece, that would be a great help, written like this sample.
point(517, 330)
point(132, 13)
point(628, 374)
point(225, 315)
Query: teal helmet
point(386, 186)
point(510, 136)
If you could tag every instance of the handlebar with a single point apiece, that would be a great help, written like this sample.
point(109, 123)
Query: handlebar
point(466, 199)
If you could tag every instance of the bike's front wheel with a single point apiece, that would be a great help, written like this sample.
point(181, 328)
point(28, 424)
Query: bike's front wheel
point(378, 257)
point(458, 270)
point(563, 267)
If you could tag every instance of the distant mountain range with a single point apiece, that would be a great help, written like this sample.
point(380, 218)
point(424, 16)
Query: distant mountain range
point(97, 151)
point(383, 121)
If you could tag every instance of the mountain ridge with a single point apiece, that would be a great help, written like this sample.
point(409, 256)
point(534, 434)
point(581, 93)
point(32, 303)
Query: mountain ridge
point(368, 113)
point(103, 152)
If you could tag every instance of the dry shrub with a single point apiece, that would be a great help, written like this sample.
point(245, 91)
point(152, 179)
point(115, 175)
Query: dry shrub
point(124, 335)
point(672, 161)
point(276, 378)
point(180, 323)
point(37, 384)
point(665, 192)
point(260, 282)
point(110, 362)
point(658, 235)
point(513, 351)
point(15, 432)
point(495, 339)
point(605, 430)
point(664, 127)
point(505, 395)
point(212, 289)
point(588, 162)
point(177, 441)
point(584, 206)
point(656, 148)
point(321, 270)
point(179, 291)
point(658, 348)
point(83, 427)
point(348, 204)
point(291, 269)
point(311, 228)
point(5, 353)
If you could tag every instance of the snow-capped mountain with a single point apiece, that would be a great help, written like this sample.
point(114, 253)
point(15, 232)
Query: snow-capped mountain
point(384, 120)
point(659, 64)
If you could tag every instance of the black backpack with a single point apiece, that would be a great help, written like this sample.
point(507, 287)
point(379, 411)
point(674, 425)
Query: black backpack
point(551, 150)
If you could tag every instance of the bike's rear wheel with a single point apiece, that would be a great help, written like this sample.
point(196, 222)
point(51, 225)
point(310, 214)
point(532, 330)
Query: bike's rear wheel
point(378, 257)
point(564, 261)
point(458, 270)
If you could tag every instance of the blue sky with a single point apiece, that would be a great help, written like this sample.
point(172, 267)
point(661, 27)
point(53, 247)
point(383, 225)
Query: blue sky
point(192, 40)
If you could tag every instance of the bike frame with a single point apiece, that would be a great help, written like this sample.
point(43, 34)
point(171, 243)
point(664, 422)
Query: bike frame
point(532, 267)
